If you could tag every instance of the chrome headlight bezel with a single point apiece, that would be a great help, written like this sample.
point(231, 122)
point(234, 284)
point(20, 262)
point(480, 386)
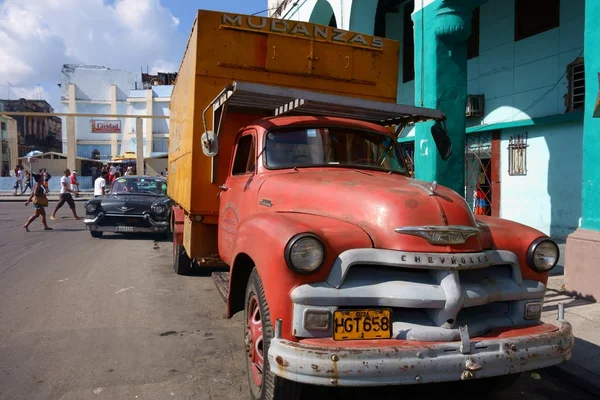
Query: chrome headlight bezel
point(91, 208)
point(159, 209)
point(297, 240)
point(537, 246)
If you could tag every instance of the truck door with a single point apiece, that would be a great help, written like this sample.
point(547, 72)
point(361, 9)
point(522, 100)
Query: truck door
point(236, 199)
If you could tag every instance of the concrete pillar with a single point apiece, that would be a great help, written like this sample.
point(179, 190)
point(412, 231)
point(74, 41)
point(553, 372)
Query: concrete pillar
point(13, 143)
point(441, 32)
point(139, 146)
point(114, 145)
point(149, 111)
point(73, 110)
point(582, 261)
point(71, 144)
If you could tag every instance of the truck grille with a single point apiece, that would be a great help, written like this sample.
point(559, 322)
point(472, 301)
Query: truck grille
point(429, 304)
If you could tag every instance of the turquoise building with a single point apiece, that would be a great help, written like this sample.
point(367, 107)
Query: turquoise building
point(519, 93)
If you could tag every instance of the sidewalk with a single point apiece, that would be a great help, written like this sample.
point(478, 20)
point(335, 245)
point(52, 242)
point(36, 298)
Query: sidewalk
point(583, 369)
point(7, 196)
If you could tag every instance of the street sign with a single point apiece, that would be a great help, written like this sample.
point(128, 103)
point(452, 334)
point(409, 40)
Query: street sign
point(104, 126)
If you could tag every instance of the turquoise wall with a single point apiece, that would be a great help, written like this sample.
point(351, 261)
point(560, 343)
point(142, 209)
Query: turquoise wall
point(591, 138)
point(524, 79)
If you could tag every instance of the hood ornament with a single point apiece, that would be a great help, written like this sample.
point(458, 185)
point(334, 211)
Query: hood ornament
point(440, 235)
point(124, 209)
point(433, 186)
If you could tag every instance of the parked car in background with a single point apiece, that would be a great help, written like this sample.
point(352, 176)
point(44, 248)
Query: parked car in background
point(134, 204)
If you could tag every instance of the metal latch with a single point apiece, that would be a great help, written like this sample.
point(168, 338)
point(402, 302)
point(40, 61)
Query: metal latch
point(465, 340)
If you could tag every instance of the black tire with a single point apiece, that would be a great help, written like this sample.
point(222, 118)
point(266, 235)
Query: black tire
point(182, 264)
point(273, 387)
point(96, 234)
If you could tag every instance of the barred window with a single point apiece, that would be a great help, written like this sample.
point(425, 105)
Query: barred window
point(517, 155)
point(576, 74)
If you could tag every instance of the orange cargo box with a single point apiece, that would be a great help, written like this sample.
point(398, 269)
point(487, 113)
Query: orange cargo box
point(225, 47)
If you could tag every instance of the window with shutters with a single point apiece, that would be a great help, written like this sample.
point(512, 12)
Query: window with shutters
point(576, 95)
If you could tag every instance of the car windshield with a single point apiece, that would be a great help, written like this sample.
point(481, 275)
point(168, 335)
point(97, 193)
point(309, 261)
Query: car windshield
point(333, 146)
point(149, 186)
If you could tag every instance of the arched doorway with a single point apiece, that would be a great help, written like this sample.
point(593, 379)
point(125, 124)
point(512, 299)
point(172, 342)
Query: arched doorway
point(323, 14)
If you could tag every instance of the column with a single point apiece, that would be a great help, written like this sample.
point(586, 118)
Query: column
point(13, 143)
point(71, 144)
point(441, 32)
point(139, 146)
point(114, 145)
point(149, 130)
point(72, 110)
point(582, 262)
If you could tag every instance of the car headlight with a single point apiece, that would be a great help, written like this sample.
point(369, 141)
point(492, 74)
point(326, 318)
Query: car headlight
point(159, 209)
point(543, 255)
point(304, 253)
point(90, 208)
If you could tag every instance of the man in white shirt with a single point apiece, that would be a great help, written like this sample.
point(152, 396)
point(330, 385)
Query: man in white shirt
point(20, 175)
point(100, 185)
point(65, 195)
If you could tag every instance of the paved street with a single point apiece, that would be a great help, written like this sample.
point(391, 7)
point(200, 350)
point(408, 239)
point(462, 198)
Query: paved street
point(107, 318)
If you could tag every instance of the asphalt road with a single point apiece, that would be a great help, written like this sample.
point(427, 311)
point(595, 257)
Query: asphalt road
point(84, 318)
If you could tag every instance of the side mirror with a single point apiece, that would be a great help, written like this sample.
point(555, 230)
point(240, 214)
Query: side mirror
point(210, 144)
point(442, 141)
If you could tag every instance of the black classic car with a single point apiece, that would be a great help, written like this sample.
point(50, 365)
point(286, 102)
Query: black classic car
point(134, 204)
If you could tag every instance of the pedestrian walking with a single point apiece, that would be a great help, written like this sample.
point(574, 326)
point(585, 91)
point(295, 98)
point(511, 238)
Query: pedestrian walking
point(65, 195)
point(46, 179)
point(74, 183)
point(40, 202)
point(27, 182)
point(19, 183)
point(100, 184)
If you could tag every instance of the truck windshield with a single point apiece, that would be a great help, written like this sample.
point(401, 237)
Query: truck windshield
point(344, 147)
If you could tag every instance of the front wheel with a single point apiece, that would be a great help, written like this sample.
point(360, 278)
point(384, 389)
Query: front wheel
point(182, 264)
point(258, 332)
point(96, 234)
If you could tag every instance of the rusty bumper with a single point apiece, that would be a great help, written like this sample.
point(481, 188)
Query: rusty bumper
point(380, 365)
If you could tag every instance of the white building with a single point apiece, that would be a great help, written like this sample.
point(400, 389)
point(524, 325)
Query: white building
point(91, 89)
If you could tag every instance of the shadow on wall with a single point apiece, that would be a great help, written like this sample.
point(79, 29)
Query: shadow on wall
point(565, 176)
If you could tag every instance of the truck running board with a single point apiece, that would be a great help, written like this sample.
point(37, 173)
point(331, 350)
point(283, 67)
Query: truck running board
point(221, 280)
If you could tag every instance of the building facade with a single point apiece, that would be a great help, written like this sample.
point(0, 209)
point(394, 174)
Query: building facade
point(34, 133)
point(89, 89)
point(519, 94)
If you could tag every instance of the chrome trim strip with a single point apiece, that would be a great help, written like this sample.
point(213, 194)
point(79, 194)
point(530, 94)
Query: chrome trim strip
point(404, 259)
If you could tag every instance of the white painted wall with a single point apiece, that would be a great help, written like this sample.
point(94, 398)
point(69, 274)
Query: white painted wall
point(548, 198)
point(522, 80)
point(93, 82)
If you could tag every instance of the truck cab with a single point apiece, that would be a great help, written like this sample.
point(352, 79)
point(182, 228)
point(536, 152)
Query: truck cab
point(348, 271)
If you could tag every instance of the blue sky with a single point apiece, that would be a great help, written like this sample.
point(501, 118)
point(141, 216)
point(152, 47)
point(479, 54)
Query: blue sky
point(39, 36)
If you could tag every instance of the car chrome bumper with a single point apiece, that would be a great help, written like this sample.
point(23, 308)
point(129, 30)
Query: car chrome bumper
point(127, 229)
point(359, 363)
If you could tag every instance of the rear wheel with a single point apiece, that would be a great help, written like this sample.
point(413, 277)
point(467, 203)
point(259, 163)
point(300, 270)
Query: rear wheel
point(258, 332)
point(96, 234)
point(181, 262)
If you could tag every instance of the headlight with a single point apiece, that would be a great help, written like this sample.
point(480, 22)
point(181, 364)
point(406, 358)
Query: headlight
point(543, 255)
point(90, 208)
point(304, 253)
point(159, 209)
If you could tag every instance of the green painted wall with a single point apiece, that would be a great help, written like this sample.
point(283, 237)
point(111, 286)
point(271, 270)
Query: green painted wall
point(362, 16)
point(591, 126)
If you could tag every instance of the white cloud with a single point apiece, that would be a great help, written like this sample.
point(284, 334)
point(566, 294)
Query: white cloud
point(163, 66)
point(39, 36)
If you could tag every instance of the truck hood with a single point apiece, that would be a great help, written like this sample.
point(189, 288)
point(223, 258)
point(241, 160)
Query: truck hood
point(375, 201)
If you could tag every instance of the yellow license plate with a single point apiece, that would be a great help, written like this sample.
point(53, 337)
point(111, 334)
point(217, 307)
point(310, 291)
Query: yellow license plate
point(362, 324)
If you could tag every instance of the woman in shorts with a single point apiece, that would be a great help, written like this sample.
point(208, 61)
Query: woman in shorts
point(39, 211)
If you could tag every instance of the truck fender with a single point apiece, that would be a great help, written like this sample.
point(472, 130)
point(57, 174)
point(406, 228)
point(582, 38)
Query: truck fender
point(260, 243)
point(177, 221)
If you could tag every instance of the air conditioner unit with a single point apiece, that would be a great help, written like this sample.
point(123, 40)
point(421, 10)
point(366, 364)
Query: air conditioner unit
point(475, 105)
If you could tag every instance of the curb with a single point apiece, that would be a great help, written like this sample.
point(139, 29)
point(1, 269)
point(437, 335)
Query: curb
point(577, 376)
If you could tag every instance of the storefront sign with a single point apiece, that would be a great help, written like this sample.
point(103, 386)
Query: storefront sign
point(101, 126)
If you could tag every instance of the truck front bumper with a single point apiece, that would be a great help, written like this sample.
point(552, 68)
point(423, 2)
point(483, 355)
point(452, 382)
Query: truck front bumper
point(396, 362)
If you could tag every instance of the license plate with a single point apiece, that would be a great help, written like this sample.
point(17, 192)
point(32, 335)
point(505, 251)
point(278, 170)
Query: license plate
point(123, 229)
point(362, 324)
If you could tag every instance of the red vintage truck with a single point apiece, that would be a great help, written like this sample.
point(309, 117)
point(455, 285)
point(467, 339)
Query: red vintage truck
point(284, 166)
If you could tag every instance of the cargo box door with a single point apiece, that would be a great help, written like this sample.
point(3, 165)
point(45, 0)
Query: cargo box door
point(288, 55)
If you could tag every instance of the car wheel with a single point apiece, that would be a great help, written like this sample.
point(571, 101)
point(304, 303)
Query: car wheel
point(258, 332)
point(96, 234)
point(182, 264)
